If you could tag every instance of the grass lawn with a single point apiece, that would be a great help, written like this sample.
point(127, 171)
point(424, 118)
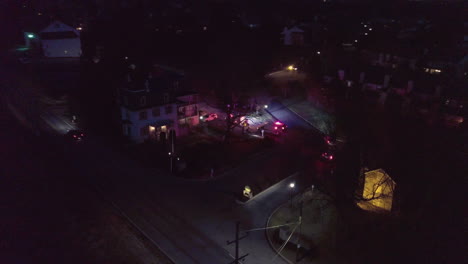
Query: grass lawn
point(205, 151)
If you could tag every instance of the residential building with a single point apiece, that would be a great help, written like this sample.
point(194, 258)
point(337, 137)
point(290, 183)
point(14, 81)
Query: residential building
point(152, 105)
point(293, 36)
point(60, 40)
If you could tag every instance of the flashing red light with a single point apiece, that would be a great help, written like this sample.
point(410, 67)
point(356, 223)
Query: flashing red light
point(331, 157)
point(278, 123)
point(282, 128)
point(74, 136)
point(276, 127)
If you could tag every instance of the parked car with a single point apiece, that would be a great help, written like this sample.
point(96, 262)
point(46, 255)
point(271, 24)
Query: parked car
point(75, 135)
point(328, 156)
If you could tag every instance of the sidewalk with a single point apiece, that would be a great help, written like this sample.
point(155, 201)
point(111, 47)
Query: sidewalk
point(316, 234)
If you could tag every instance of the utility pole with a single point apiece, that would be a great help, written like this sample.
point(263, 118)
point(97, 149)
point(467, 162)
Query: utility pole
point(237, 259)
point(172, 152)
point(300, 229)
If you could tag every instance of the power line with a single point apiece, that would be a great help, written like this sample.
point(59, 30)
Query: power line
point(270, 227)
point(285, 242)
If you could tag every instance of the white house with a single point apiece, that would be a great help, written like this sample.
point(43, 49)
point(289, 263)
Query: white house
point(60, 40)
point(293, 36)
point(151, 107)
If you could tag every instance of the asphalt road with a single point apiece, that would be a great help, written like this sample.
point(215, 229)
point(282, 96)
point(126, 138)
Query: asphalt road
point(190, 221)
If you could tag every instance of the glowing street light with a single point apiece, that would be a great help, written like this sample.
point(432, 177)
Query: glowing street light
point(30, 35)
point(265, 106)
point(291, 187)
point(318, 52)
point(290, 67)
point(355, 40)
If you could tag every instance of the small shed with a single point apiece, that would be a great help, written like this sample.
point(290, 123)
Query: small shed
point(293, 36)
point(60, 40)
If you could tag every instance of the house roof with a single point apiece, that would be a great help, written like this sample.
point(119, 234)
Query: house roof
point(58, 26)
point(395, 48)
point(156, 85)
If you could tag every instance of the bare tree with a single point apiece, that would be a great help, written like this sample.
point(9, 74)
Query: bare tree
point(235, 110)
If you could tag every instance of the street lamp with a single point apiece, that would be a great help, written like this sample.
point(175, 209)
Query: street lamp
point(291, 187)
point(265, 106)
point(170, 161)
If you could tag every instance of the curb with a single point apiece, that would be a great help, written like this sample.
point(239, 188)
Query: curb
point(253, 198)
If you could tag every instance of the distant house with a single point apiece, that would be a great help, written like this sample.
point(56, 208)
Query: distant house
point(152, 105)
point(60, 40)
point(293, 36)
point(388, 55)
point(378, 191)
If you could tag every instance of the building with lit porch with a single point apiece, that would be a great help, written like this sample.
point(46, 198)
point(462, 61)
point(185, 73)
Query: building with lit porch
point(152, 104)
